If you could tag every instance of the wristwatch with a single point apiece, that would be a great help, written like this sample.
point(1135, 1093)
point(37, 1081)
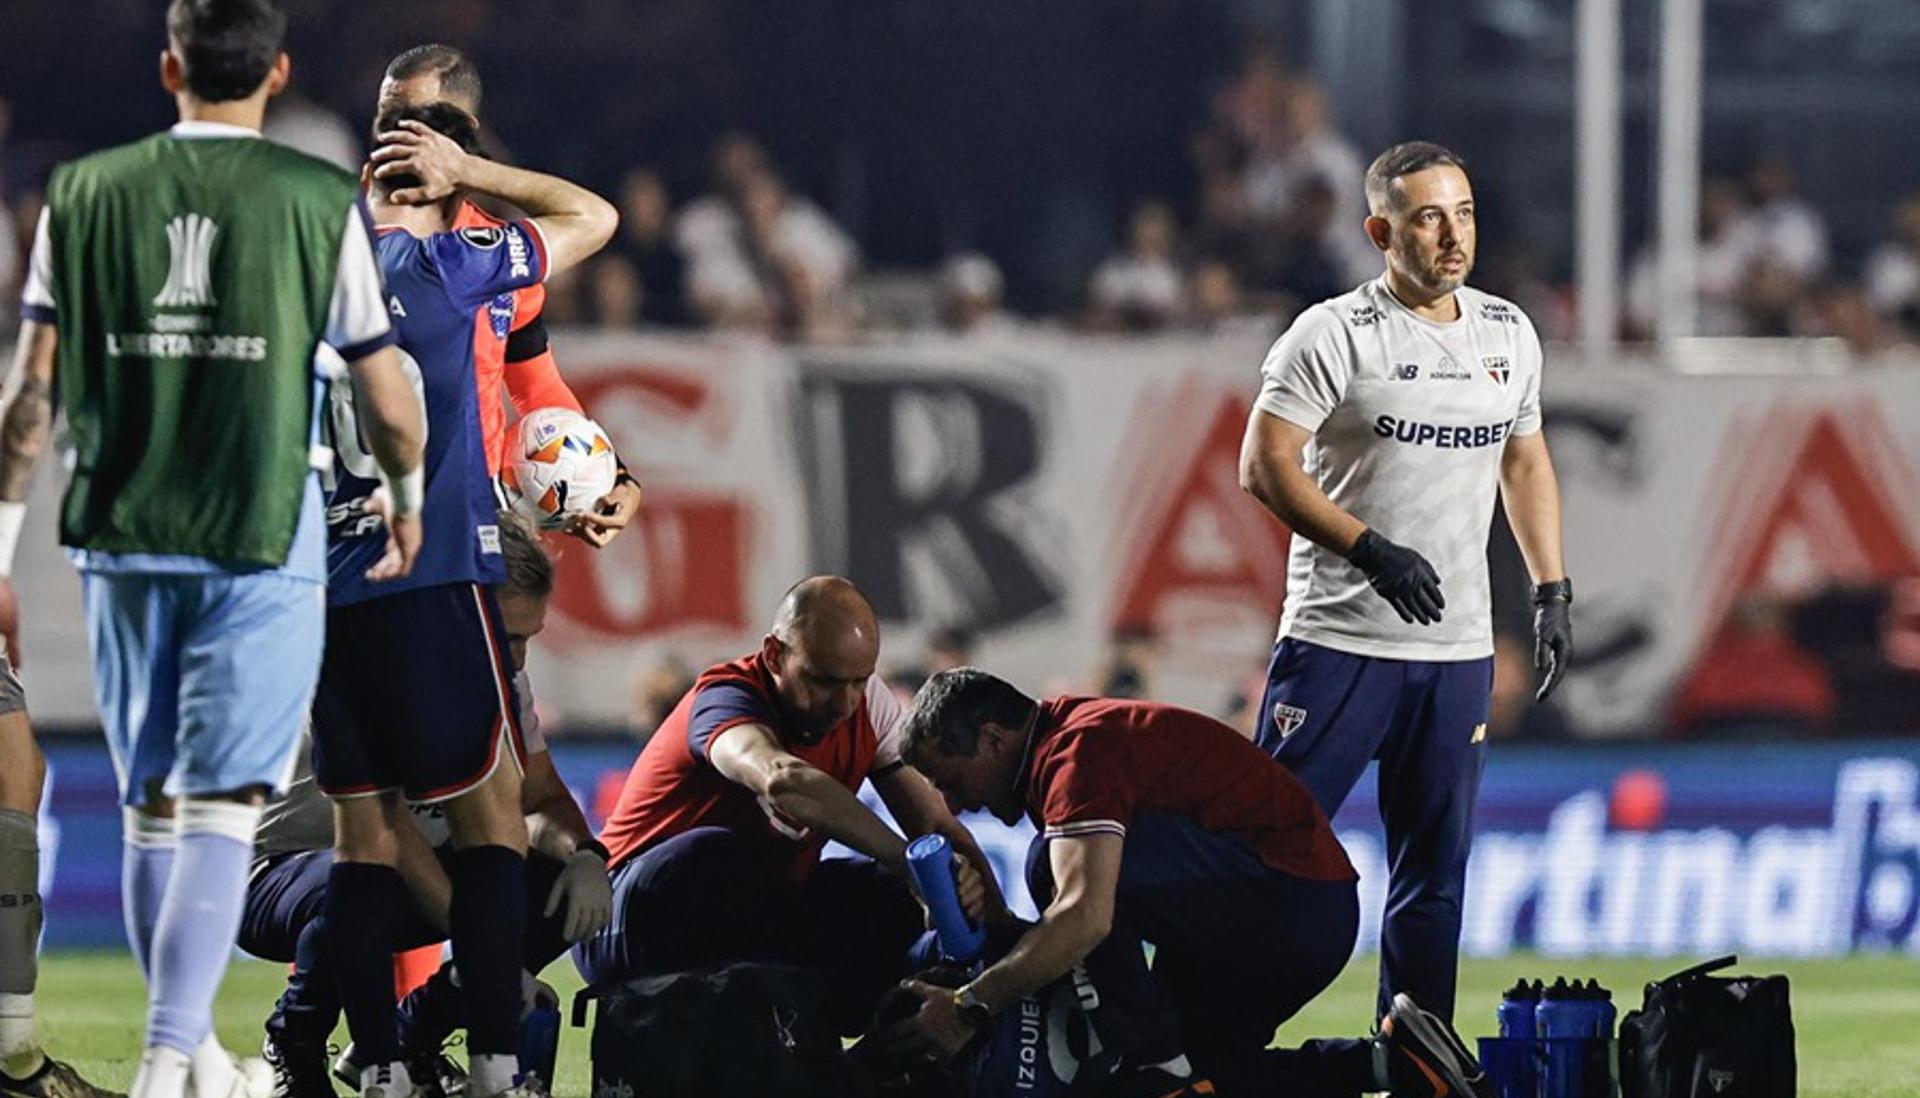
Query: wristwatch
point(972, 1011)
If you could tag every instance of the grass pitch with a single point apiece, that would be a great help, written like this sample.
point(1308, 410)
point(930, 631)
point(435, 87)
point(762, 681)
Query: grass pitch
point(1857, 1019)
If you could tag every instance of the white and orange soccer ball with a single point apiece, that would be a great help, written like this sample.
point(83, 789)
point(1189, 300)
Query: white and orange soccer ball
point(558, 463)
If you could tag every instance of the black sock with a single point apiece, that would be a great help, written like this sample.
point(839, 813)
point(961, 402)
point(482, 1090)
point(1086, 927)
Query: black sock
point(489, 919)
point(362, 903)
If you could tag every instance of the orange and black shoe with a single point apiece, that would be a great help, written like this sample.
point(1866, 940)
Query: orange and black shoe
point(1426, 1058)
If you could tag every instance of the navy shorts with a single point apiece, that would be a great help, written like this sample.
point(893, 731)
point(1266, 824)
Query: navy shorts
point(416, 695)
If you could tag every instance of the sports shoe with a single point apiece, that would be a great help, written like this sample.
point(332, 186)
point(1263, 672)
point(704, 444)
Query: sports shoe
point(432, 1072)
point(387, 1081)
point(53, 1079)
point(252, 1076)
point(1426, 1058)
point(299, 1071)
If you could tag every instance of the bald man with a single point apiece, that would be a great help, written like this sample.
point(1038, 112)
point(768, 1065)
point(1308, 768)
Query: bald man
point(715, 842)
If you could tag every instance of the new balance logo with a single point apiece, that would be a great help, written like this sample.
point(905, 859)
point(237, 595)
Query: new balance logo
point(190, 238)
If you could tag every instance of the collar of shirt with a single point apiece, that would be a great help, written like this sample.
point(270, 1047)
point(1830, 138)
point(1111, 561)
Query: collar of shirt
point(195, 128)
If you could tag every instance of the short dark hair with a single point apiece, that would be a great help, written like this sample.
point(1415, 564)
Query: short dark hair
point(949, 710)
point(226, 47)
point(529, 568)
point(441, 117)
point(1405, 158)
point(457, 72)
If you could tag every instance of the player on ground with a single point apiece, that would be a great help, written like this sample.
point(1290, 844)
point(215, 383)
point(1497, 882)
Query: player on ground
point(180, 289)
point(717, 835)
point(415, 700)
point(1411, 398)
point(566, 880)
point(1159, 824)
point(510, 350)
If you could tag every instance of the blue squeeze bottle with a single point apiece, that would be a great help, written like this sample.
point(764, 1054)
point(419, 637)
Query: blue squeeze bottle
point(930, 859)
point(1517, 1007)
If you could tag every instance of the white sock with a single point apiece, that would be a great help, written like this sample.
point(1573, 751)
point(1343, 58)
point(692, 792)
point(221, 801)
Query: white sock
point(491, 1073)
point(19, 1046)
point(392, 1078)
point(213, 1068)
point(163, 1073)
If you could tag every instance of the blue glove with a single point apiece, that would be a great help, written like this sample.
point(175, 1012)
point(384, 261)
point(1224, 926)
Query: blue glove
point(1552, 633)
point(1401, 576)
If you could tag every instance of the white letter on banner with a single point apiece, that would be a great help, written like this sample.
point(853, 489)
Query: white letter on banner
point(1502, 876)
point(1575, 835)
point(1789, 903)
point(1876, 873)
point(1621, 919)
point(1694, 880)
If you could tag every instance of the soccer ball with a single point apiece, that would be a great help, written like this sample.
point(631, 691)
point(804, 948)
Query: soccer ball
point(558, 463)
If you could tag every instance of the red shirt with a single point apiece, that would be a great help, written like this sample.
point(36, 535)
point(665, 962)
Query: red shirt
point(1097, 761)
point(673, 788)
point(532, 382)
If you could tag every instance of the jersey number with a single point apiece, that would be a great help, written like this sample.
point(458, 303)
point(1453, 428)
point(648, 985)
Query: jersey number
point(341, 426)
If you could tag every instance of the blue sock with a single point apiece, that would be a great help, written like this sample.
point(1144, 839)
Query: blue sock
point(198, 921)
point(146, 861)
point(363, 902)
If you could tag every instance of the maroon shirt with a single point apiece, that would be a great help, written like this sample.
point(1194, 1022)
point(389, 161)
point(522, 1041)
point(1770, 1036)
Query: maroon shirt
point(1097, 761)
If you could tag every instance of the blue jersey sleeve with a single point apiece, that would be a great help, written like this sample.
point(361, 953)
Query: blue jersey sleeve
point(718, 707)
point(479, 264)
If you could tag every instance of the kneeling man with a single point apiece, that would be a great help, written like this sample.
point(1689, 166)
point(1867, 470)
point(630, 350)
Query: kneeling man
point(1162, 825)
point(715, 841)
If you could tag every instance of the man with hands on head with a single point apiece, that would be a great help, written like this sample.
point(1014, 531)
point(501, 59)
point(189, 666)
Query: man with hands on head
point(512, 360)
point(1386, 420)
point(717, 834)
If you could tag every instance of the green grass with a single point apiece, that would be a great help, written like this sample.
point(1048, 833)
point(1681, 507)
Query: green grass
point(1858, 1019)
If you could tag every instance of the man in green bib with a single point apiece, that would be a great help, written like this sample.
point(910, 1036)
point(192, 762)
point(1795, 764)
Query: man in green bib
point(189, 295)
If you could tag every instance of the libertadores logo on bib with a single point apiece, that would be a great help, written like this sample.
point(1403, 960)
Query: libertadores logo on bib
point(190, 243)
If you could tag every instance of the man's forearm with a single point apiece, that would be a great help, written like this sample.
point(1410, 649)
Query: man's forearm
point(1041, 956)
point(809, 797)
point(1531, 494)
point(28, 419)
point(538, 194)
point(557, 828)
point(1291, 495)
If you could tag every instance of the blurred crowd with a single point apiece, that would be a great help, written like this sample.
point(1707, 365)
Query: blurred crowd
point(1259, 218)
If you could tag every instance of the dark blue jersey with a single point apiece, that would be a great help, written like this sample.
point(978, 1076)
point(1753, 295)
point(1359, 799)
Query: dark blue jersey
point(434, 286)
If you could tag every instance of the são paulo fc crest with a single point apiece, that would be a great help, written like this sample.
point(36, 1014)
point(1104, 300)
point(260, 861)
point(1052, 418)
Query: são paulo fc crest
point(1288, 718)
point(1497, 367)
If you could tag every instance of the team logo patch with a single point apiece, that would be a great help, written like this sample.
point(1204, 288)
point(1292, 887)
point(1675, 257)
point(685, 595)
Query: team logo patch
point(483, 236)
point(1497, 367)
point(190, 240)
point(1719, 1079)
point(1405, 371)
point(1288, 718)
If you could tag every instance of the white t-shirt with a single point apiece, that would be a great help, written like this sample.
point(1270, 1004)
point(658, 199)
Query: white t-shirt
point(1410, 418)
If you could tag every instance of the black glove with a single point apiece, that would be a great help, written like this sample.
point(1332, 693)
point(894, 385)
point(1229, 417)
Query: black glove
point(1552, 633)
point(1401, 576)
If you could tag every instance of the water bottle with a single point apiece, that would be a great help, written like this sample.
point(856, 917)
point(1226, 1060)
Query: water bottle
point(1517, 1007)
point(1575, 1026)
point(930, 859)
